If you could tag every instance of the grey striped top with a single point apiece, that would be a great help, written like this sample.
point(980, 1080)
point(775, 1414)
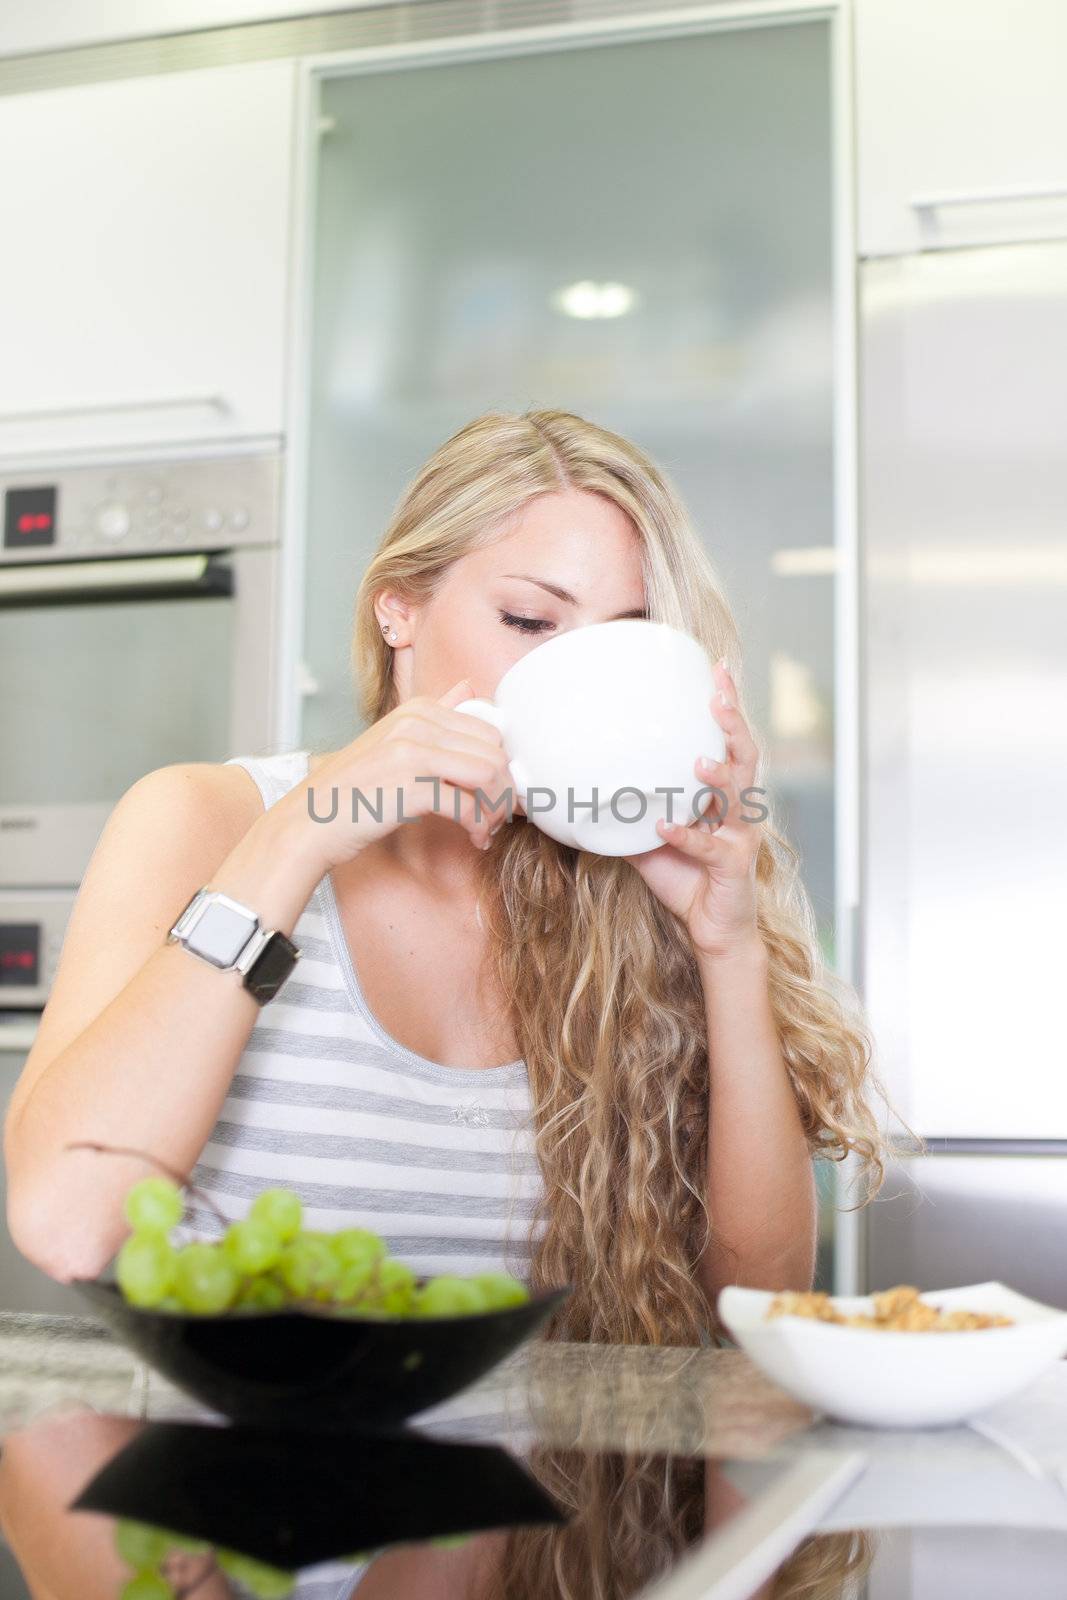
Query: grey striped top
point(439, 1160)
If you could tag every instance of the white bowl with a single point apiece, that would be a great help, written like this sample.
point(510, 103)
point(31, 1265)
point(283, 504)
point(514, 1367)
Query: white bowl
point(887, 1379)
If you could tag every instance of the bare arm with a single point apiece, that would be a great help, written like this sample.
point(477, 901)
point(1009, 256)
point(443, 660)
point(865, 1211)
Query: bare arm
point(139, 1039)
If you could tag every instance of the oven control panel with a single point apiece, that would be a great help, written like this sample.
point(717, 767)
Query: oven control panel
point(32, 927)
point(144, 507)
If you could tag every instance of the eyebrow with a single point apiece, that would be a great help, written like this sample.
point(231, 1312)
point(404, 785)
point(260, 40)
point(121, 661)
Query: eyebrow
point(562, 594)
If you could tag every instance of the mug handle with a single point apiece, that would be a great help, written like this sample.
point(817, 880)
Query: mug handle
point(493, 714)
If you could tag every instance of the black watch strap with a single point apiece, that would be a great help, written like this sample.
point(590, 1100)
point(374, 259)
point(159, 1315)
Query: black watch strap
point(271, 967)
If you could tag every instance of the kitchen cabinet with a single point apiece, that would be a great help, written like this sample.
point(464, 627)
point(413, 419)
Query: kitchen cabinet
point(144, 273)
point(961, 122)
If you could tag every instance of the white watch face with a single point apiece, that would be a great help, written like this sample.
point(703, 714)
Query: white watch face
point(221, 932)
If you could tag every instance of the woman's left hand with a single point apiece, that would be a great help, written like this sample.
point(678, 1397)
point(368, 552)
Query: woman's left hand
point(706, 872)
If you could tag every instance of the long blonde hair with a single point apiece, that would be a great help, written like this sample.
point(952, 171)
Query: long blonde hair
point(606, 997)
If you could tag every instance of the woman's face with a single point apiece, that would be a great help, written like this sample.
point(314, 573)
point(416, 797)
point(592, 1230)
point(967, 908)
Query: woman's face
point(571, 558)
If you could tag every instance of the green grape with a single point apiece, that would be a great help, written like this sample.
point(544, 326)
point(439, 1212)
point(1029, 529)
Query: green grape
point(447, 1296)
point(147, 1586)
point(356, 1245)
point(281, 1208)
point(353, 1282)
point(139, 1543)
point(204, 1280)
point(501, 1289)
point(154, 1203)
point(269, 1583)
point(252, 1245)
point(308, 1266)
point(145, 1267)
point(183, 1541)
point(395, 1292)
point(266, 1294)
point(452, 1541)
point(170, 1302)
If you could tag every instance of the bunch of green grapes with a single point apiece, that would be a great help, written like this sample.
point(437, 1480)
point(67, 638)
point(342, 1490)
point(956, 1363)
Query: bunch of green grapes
point(148, 1549)
point(267, 1261)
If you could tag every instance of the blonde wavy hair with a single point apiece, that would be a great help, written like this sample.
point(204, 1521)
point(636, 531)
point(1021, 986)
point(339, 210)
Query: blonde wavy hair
point(606, 998)
point(630, 1520)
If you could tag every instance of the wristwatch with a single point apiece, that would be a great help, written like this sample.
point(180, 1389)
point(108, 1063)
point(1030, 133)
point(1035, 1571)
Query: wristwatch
point(228, 935)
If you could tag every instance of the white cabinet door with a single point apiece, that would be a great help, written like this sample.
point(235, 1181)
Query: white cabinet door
point(960, 103)
point(143, 275)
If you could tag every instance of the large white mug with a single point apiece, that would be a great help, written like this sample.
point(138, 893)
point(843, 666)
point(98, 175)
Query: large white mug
point(622, 708)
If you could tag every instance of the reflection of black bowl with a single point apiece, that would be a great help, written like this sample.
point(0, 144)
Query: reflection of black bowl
point(297, 1496)
point(316, 1369)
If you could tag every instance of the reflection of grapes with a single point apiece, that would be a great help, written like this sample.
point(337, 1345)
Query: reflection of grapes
point(147, 1549)
point(148, 1586)
point(140, 1545)
point(267, 1261)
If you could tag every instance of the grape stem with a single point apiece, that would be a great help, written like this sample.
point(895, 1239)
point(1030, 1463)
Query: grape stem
point(185, 1182)
point(180, 1178)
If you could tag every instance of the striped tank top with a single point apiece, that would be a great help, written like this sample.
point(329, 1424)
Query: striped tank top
point(439, 1160)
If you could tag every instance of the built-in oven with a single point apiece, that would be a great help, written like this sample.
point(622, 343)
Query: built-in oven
point(138, 627)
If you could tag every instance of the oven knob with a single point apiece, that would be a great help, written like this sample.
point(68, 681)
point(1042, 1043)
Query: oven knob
point(239, 518)
point(113, 521)
point(213, 519)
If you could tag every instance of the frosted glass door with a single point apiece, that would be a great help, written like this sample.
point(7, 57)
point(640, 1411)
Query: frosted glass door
point(456, 200)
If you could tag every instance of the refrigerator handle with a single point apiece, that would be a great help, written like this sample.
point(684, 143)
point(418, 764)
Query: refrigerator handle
point(969, 197)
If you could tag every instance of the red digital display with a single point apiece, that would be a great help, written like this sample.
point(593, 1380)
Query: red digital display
point(20, 954)
point(29, 516)
point(22, 959)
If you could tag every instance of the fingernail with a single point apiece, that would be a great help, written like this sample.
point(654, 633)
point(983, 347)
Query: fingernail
point(725, 701)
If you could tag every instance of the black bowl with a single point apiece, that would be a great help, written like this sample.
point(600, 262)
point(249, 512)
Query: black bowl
point(314, 1369)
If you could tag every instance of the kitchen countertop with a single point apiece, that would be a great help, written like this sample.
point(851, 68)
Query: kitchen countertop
point(724, 1485)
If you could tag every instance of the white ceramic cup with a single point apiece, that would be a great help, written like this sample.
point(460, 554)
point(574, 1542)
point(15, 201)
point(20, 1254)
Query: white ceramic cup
point(615, 707)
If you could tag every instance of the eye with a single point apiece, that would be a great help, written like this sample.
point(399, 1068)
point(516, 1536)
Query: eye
point(524, 624)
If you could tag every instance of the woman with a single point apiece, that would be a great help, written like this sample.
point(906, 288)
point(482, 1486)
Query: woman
point(659, 1027)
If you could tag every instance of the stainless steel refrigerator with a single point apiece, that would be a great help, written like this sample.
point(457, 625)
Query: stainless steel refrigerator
point(963, 482)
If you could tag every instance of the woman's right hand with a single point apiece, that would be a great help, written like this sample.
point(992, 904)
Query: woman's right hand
point(420, 739)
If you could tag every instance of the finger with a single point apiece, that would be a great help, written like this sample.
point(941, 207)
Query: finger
point(741, 748)
point(463, 690)
point(723, 800)
point(697, 841)
point(421, 762)
point(443, 708)
point(461, 733)
point(458, 804)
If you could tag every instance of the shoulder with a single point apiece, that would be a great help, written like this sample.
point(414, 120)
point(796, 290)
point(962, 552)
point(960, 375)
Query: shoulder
point(193, 799)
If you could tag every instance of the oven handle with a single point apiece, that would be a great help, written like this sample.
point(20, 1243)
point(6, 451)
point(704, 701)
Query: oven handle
point(118, 578)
